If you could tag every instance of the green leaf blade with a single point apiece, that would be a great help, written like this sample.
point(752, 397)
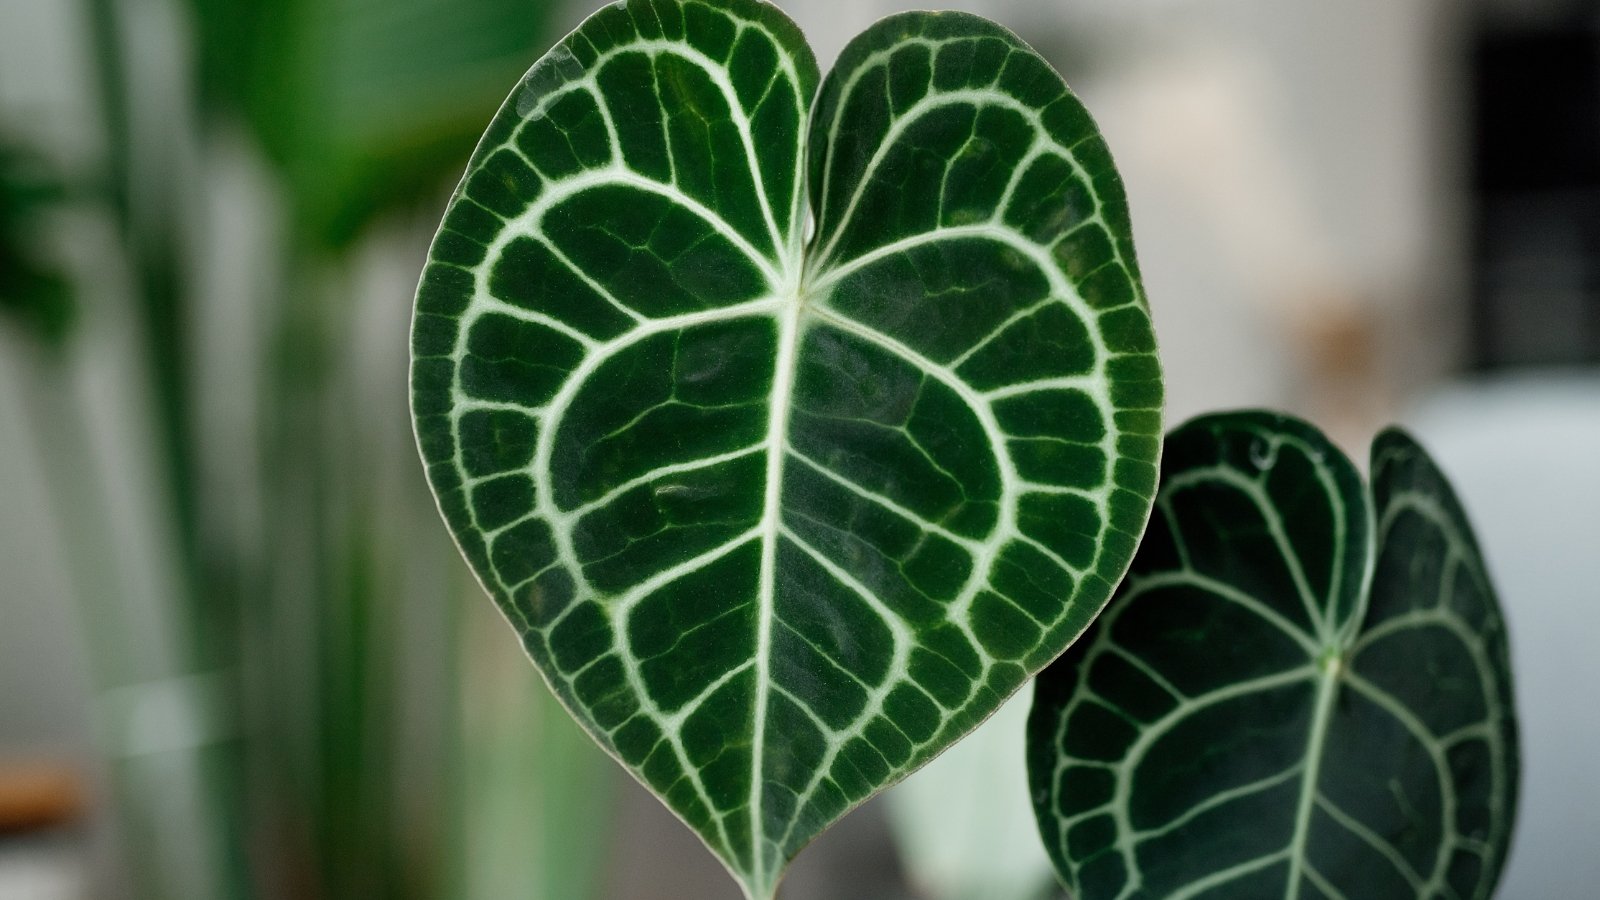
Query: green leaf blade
point(1292, 695)
point(592, 375)
point(777, 522)
point(922, 136)
point(1463, 632)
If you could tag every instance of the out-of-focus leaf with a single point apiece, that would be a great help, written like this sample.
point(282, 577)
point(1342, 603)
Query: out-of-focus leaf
point(1302, 690)
point(364, 104)
point(783, 515)
point(34, 291)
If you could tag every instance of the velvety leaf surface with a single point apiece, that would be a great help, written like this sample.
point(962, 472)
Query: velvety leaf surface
point(1300, 691)
point(781, 511)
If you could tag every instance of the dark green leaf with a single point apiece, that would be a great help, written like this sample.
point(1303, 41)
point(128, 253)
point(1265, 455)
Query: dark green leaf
point(34, 291)
point(780, 516)
point(1300, 691)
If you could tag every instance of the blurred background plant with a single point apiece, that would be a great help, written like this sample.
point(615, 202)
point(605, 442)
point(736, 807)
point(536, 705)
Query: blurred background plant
point(283, 708)
point(230, 617)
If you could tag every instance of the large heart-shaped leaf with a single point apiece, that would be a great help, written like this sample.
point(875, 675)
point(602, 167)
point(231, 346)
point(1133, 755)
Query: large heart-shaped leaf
point(1299, 691)
point(780, 515)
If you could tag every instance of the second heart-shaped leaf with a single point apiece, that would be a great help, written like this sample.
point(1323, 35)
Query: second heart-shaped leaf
point(1302, 690)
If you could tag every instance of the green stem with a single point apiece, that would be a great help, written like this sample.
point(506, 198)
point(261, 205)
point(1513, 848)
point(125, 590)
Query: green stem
point(151, 239)
point(141, 190)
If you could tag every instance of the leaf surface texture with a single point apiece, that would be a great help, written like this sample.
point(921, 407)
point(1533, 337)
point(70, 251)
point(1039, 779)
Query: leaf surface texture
point(791, 440)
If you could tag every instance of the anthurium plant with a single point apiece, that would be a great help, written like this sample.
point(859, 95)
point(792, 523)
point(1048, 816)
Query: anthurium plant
point(795, 422)
point(1301, 690)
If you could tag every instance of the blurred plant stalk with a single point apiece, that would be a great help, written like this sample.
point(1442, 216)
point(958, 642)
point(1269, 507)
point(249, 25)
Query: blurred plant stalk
point(315, 718)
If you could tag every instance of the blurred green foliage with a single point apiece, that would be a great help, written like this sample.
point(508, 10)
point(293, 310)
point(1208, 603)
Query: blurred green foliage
point(34, 291)
point(361, 755)
point(363, 104)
